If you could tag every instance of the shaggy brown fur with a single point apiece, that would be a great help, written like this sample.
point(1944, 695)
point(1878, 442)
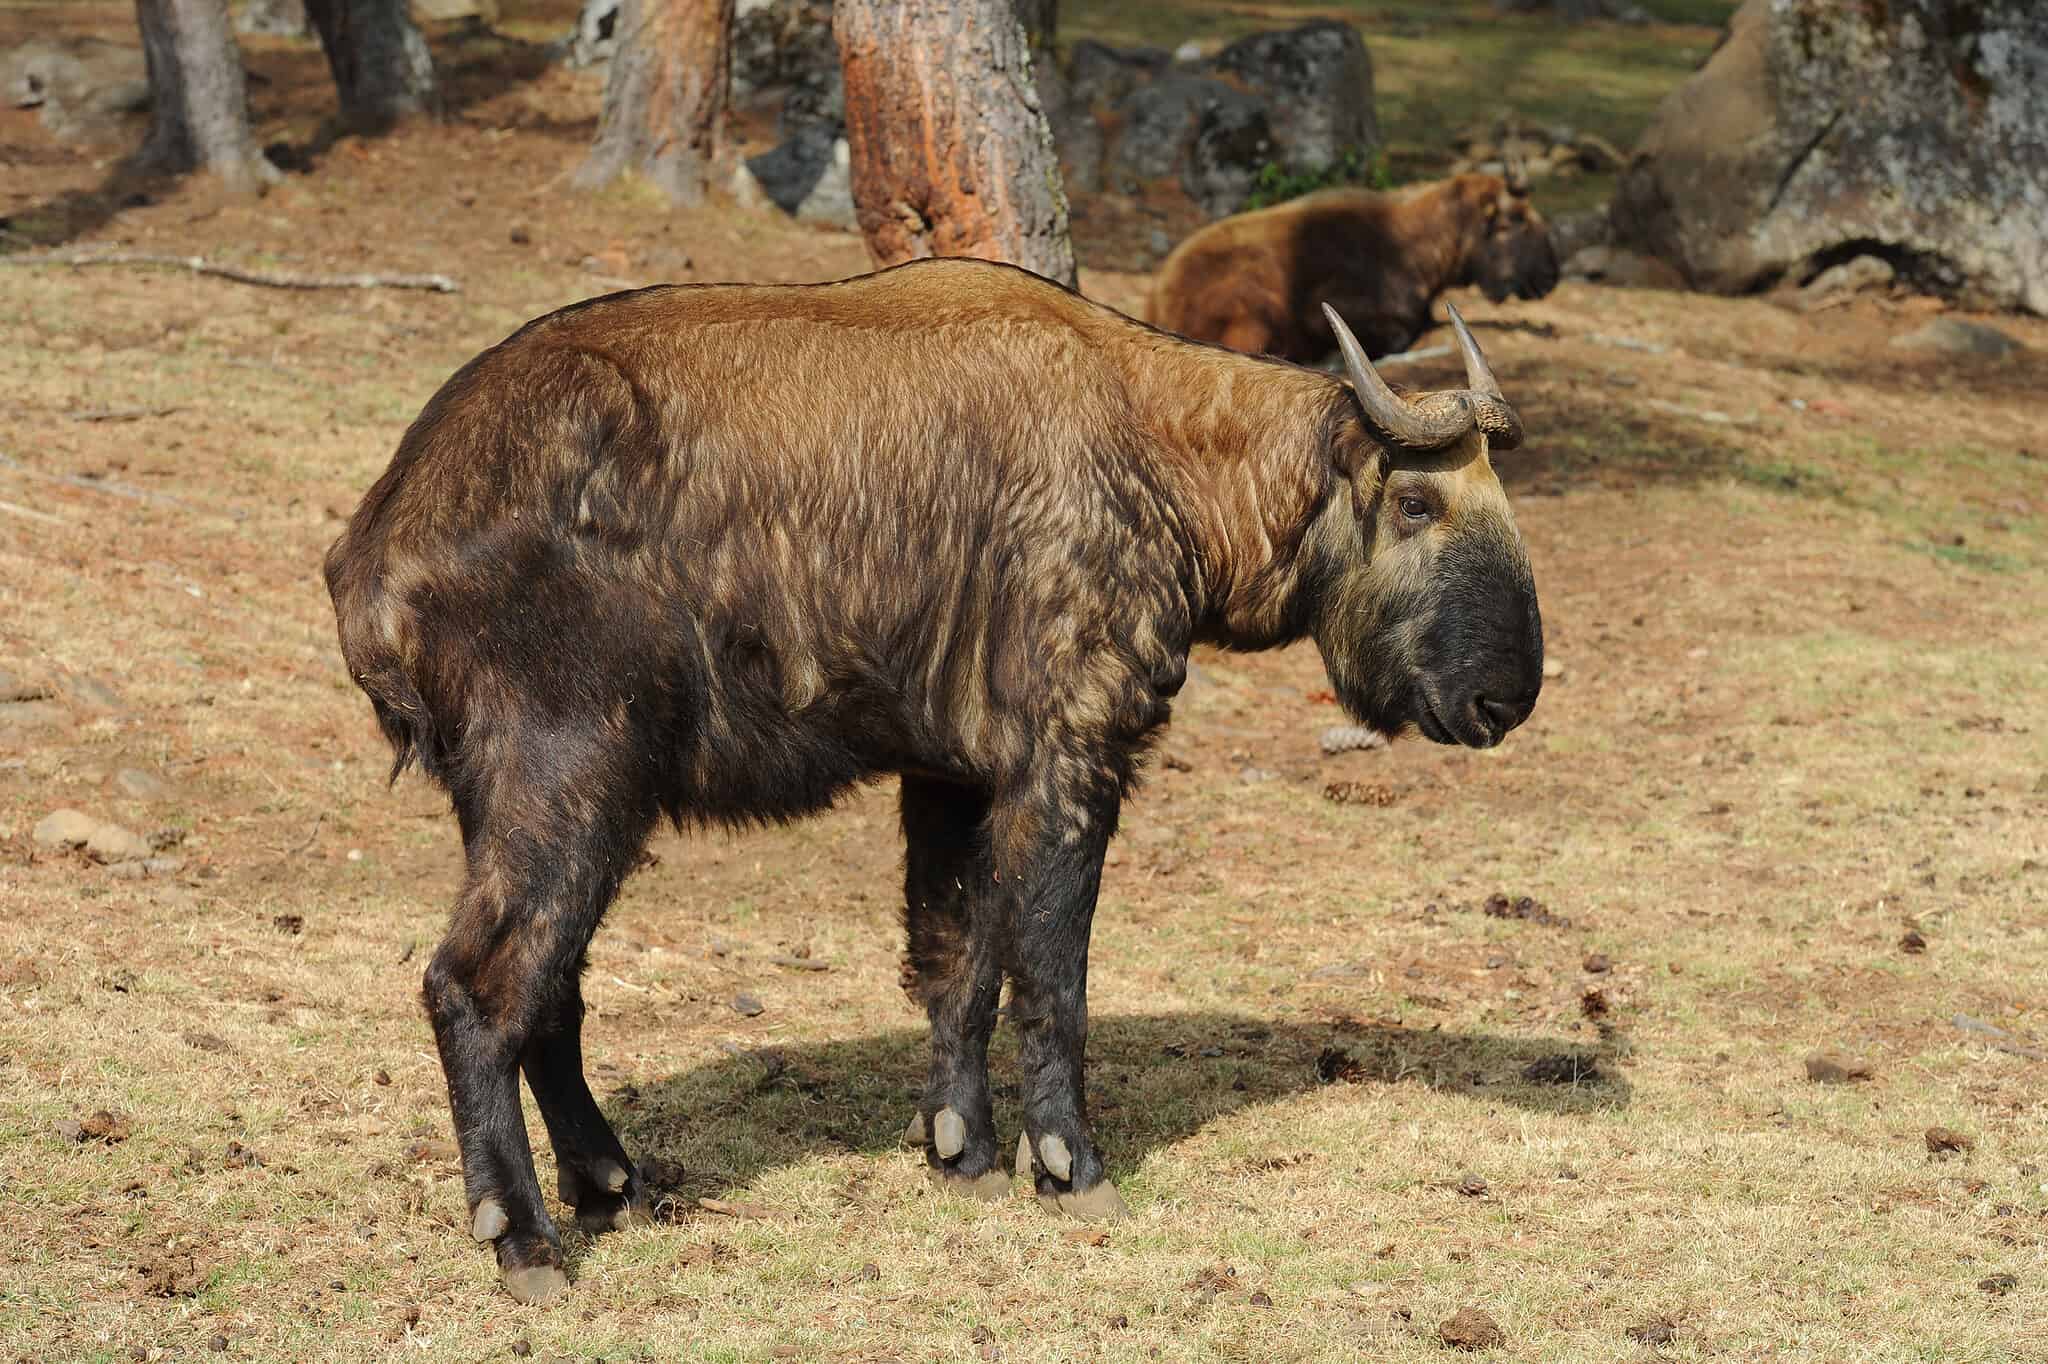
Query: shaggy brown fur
point(1256, 282)
point(718, 553)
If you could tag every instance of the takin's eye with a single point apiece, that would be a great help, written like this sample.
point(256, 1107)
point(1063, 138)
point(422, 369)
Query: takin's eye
point(1415, 511)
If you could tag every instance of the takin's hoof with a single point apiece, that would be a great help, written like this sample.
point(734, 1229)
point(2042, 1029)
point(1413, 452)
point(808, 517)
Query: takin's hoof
point(1101, 1203)
point(991, 1186)
point(535, 1285)
point(616, 1214)
point(913, 1131)
point(607, 1196)
point(529, 1263)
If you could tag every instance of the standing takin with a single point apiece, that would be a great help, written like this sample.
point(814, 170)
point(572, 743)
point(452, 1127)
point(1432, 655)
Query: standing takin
point(719, 553)
point(1257, 282)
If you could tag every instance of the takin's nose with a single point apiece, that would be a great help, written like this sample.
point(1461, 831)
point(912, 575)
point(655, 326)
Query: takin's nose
point(1502, 716)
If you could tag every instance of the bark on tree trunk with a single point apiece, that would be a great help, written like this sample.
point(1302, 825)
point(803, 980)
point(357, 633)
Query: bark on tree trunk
point(199, 115)
point(951, 152)
point(381, 65)
point(664, 102)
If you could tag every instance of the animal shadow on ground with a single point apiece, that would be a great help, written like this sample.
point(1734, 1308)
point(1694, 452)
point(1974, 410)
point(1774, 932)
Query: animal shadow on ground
point(1154, 1079)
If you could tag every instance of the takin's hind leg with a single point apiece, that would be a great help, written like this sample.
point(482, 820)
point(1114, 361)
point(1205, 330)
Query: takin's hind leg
point(953, 968)
point(542, 870)
point(593, 1173)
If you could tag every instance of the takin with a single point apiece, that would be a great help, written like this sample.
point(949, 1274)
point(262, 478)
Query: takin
point(718, 553)
point(1256, 282)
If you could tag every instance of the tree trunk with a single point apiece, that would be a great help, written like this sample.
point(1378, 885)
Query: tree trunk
point(199, 113)
point(951, 152)
point(664, 102)
point(381, 65)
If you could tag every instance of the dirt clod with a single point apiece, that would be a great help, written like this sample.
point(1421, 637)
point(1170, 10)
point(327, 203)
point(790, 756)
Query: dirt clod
point(1562, 1069)
point(1499, 906)
point(1472, 1329)
point(170, 1274)
point(521, 1348)
point(1336, 1064)
point(1215, 1279)
point(1941, 1141)
point(1834, 1068)
point(1260, 1299)
point(206, 1041)
point(240, 1157)
point(1119, 1322)
point(1472, 1186)
point(747, 1006)
point(217, 1343)
point(100, 1125)
point(1596, 964)
point(1593, 1002)
point(289, 924)
point(1998, 1285)
point(1913, 942)
point(381, 1077)
point(1374, 793)
point(1655, 1331)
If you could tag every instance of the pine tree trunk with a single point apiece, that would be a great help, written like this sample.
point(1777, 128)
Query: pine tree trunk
point(951, 152)
point(199, 113)
point(381, 65)
point(664, 102)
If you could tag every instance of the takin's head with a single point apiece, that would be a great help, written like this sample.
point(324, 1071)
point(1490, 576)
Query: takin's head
point(1512, 255)
point(1425, 608)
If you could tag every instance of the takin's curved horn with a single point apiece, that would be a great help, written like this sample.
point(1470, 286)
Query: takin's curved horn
point(1477, 374)
point(1435, 419)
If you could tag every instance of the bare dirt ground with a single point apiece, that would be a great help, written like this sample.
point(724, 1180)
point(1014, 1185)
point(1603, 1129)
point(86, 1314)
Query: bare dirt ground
point(1787, 796)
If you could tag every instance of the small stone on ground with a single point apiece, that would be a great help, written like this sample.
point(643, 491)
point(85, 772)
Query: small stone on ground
point(1833, 1068)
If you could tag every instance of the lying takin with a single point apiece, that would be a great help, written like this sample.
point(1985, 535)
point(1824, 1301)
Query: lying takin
point(719, 553)
point(1256, 282)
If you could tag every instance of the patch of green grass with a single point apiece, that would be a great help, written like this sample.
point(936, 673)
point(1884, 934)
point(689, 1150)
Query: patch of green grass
point(1969, 556)
point(1788, 476)
point(1276, 184)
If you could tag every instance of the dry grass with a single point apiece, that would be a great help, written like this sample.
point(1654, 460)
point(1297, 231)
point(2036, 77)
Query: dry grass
point(1795, 713)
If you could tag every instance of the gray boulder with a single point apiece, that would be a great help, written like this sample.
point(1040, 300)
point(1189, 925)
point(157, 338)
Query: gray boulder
point(595, 36)
point(1954, 336)
point(1316, 84)
point(1914, 131)
point(1233, 139)
point(81, 87)
point(781, 42)
point(1098, 76)
point(809, 177)
point(273, 18)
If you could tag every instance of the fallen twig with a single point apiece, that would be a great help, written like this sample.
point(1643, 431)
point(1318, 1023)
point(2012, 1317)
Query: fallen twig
point(29, 513)
point(120, 414)
point(1627, 343)
point(1409, 357)
point(269, 279)
point(1700, 414)
point(103, 485)
point(751, 1211)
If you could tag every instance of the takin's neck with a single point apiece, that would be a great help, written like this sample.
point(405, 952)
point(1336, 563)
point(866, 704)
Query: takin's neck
point(1247, 445)
point(1442, 232)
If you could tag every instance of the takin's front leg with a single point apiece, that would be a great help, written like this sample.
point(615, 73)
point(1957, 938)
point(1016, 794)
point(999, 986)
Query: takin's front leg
point(953, 966)
point(1054, 908)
